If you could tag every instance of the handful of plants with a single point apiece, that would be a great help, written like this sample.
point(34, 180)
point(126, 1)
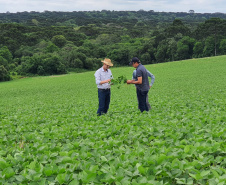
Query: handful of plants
point(118, 81)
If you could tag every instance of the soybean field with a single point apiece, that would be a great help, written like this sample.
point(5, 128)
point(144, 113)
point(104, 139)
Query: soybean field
point(50, 133)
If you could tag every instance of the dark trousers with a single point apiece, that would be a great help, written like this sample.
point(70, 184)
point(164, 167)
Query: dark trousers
point(104, 101)
point(142, 96)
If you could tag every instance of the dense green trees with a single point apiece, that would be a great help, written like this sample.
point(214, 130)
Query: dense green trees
point(56, 42)
point(198, 50)
point(177, 27)
point(211, 32)
point(59, 40)
point(46, 64)
point(4, 74)
point(161, 54)
point(185, 48)
point(5, 63)
point(209, 49)
point(222, 47)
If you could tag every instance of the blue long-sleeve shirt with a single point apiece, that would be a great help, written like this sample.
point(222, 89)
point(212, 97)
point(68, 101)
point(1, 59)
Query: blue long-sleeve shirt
point(149, 75)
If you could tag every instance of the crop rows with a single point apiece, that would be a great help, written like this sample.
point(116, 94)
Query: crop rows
point(50, 133)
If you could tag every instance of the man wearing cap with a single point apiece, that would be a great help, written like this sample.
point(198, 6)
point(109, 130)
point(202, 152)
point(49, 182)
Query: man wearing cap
point(141, 82)
point(150, 75)
point(103, 77)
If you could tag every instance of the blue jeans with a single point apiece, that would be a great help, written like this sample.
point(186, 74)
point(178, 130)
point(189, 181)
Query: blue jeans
point(104, 101)
point(142, 97)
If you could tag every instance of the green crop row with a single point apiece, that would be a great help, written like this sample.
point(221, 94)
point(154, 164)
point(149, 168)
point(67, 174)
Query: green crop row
point(50, 133)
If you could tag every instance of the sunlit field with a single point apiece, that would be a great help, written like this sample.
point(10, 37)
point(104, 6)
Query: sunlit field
point(50, 133)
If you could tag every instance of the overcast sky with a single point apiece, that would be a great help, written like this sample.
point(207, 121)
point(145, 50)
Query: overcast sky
point(199, 6)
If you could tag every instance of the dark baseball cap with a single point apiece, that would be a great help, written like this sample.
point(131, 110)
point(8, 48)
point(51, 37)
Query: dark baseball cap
point(134, 59)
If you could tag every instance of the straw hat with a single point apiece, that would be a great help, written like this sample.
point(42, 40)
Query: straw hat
point(107, 61)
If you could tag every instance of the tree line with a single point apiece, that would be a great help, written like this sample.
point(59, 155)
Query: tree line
point(57, 42)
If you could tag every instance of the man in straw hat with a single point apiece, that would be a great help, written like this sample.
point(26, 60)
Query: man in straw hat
point(103, 78)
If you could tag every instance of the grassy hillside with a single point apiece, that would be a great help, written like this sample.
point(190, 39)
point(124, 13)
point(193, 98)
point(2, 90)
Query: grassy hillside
point(50, 132)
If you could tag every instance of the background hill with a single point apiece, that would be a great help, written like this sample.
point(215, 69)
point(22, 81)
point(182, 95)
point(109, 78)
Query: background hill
point(46, 43)
point(83, 18)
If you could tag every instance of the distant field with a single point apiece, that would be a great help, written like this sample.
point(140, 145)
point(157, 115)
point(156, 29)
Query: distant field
point(50, 134)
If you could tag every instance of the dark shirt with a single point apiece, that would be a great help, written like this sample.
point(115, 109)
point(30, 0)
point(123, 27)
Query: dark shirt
point(141, 71)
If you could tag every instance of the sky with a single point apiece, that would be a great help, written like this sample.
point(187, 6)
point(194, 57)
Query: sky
point(199, 6)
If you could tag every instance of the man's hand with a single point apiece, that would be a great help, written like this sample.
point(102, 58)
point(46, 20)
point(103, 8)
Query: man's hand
point(139, 81)
point(129, 81)
point(105, 81)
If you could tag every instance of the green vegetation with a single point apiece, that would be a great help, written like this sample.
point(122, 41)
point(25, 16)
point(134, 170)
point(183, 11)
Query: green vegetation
point(50, 43)
point(118, 81)
point(50, 133)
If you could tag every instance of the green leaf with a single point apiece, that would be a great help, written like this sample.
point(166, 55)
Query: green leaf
point(36, 176)
point(74, 182)
point(93, 168)
point(32, 165)
point(48, 171)
point(61, 178)
point(142, 170)
point(3, 164)
point(181, 180)
point(2, 153)
point(54, 154)
point(142, 180)
point(196, 176)
point(91, 177)
point(189, 180)
point(103, 158)
point(42, 148)
point(215, 173)
point(204, 173)
point(188, 166)
point(221, 183)
point(161, 158)
point(187, 149)
point(66, 159)
point(42, 182)
point(8, 172)
point(19, 178)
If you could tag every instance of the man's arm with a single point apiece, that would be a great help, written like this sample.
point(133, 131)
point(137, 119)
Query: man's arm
point(105, 81)
point(134, 75)
point(98, 79)
point(139, 81)
point(152, 77)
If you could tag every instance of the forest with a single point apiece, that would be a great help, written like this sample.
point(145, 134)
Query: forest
point(50, 43)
